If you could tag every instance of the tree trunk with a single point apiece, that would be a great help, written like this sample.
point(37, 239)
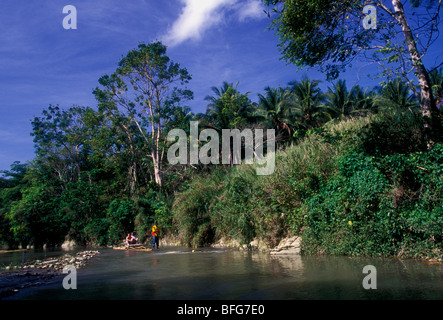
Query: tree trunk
point(157, 168)
point(132, 170)
point(427, 103)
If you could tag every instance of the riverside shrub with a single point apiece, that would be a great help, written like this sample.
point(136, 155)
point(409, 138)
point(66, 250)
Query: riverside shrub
point(387, 205)
point(344, 216)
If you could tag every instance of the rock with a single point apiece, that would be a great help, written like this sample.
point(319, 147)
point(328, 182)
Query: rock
point(55, 265)
point(68, 245)
point(289, 245)
point(259, 245)
point(227, 243)
point(254, 244)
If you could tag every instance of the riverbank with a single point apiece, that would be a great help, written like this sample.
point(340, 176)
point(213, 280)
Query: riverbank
point(288, 245)
point(360, 187)
point(38, 272)
point(292, 245)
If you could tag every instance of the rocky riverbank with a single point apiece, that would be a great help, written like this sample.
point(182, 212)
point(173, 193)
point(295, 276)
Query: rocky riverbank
point(33, 273)
point(289, 245)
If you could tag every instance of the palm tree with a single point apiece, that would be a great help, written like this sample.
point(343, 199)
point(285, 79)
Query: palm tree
point(436, 77)
point(228, 108)
point(396, 95)
point(308, 100)
point(347, 103)
point(274, 109)
point(363, 101)
point(214, 110)
point(339, 99)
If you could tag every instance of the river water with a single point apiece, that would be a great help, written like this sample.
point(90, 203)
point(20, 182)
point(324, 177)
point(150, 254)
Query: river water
point(217, 274)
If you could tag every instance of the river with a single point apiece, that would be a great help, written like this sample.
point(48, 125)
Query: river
point(177, 273)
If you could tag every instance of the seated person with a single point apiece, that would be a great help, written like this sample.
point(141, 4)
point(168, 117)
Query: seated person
point(134, 238)
point(128, 239)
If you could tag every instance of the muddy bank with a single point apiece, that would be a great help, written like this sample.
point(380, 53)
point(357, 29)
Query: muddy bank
point(38, 272)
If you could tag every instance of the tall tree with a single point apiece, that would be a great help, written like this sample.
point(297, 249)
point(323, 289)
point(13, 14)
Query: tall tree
point(145, 88)
point(436, 76)
point(346, 103)
point(340, 99)
point(62, 141)
point(228, 108)
point(331, 34)
point(308, 100)
point(276, 109)
point(396, 95)
point(363, 100)
point(12, 183)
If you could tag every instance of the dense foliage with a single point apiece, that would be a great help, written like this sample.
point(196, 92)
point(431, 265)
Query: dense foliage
point(393, 34)
point(342, 188)
point(353, 172)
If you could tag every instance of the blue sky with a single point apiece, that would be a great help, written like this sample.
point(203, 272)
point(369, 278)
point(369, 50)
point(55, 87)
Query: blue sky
point(41, 63)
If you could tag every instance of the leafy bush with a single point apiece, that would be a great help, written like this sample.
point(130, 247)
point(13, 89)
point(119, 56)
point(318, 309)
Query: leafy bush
point(152, 208)
point(343, 217)
point(394, 132)
point(120, 217)
point(191, 209)
point(232, 213)
point(97, 231)
point(385, 205)
point(81, 204)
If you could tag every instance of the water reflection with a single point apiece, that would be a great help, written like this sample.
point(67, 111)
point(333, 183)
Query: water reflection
point(179, 273)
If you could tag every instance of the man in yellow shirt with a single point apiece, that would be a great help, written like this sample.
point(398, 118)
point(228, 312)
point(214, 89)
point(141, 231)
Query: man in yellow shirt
point(155, 236)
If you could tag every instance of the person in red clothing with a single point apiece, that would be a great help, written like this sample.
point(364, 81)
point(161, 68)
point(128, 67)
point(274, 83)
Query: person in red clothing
point(131, 239)
point(128, 239)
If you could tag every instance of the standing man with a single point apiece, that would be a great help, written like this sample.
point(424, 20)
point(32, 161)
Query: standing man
point(155, 236)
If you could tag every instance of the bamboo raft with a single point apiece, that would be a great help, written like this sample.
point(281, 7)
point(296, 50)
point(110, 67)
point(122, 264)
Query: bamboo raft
point(7, 251)
point(133, 247)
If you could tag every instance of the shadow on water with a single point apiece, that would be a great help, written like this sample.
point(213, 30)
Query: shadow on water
point(180, 273)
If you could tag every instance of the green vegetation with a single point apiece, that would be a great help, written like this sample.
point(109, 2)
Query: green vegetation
point(331, 35)
point(342, 187)
point(354, 174)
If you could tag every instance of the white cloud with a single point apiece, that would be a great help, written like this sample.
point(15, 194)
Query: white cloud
point(198, 16)
point(251, 9)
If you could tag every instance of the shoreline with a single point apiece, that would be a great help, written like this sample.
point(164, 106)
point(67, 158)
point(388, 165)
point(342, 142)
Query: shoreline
point(38, 272)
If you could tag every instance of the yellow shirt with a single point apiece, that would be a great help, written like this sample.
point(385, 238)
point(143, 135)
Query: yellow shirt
point(154, 230)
